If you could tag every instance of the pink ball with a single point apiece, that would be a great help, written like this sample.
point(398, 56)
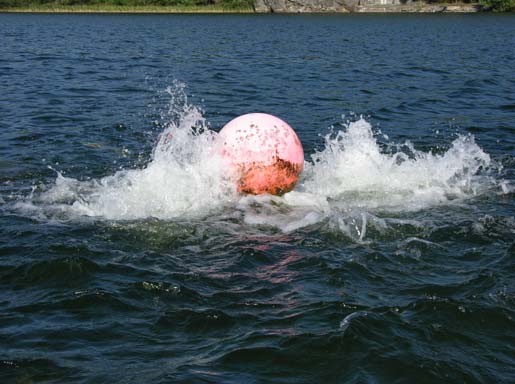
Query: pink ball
point(265, 153)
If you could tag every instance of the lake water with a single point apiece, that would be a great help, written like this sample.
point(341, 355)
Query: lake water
point(127, 257)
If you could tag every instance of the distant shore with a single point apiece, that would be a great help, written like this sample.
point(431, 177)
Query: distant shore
point(259, 6)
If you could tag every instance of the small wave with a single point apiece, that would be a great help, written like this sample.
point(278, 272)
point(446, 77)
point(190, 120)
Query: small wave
point(200, 321)
point(29, 370)
point(54, 270)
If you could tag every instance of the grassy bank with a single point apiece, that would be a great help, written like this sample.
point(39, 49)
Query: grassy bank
point(124, 9)
point(127, 6)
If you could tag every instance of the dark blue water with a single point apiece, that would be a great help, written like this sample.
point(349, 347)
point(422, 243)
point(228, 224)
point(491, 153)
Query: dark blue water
point(127, 259)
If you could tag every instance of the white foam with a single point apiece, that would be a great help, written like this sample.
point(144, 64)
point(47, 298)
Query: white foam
point(185, 178)
point(353, 169)
point(344, 186)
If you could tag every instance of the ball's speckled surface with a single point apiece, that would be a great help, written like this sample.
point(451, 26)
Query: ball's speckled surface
point(265, 152)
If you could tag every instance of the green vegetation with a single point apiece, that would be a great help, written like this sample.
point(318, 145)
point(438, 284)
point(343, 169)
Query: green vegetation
point(498, 5)
point(126, 5)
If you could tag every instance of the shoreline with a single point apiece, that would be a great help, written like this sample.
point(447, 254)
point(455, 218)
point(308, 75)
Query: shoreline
point(423, 8)
point(214, 9)
point(114, 9)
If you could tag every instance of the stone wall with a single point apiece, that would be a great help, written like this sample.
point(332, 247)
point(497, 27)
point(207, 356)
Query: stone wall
point(360, 6)
point(415, 7)
point(299, 6)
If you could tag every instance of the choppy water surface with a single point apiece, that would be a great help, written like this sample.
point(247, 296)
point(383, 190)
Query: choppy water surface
point(127, 256)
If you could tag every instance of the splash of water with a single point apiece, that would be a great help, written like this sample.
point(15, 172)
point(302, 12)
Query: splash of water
point(344, 186)
point(352, 180)
point(353, 169)
point(185, 177)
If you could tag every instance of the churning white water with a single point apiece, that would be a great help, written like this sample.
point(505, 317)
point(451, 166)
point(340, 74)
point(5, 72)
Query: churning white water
point(344, 185)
